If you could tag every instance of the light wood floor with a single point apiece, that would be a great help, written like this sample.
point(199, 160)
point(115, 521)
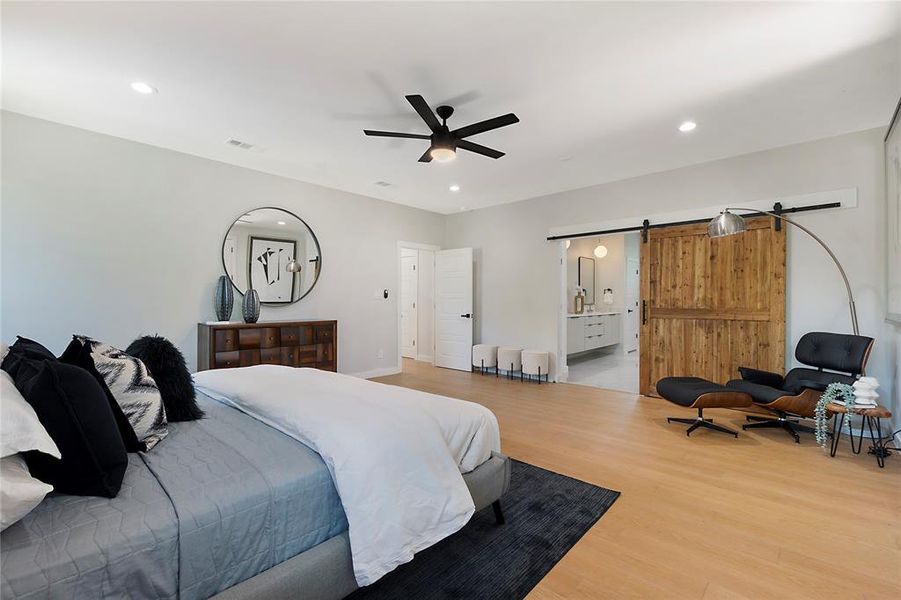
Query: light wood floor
point(702, 517)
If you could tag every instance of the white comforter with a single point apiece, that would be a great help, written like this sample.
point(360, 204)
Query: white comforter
point(395, 454)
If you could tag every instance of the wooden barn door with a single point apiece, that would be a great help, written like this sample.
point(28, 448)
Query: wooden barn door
point(711, 305)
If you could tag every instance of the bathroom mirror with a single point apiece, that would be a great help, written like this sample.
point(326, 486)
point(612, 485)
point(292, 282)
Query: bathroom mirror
point(273, 251)
point(586, 277)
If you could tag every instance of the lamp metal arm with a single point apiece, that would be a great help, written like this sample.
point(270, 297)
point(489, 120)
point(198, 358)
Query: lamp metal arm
point(828, 251)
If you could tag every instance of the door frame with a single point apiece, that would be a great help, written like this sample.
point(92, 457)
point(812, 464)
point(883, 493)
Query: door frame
point(847, 197)
point(410, 246)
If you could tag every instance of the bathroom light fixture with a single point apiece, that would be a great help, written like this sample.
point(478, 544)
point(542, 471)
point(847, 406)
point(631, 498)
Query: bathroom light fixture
point(454, 188)
point(600, 251)
point(142, 87)
point(687, 126)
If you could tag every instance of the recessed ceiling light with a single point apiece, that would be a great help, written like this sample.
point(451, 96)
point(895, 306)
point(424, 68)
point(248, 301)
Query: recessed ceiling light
point(143, 88)
point(687, 126)
point(454, 188)
point(281, 222)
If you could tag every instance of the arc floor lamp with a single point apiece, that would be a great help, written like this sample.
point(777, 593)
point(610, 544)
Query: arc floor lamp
point(729, 223)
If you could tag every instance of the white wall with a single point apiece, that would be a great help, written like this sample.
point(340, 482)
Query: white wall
point(521, 304)
point(113, 238)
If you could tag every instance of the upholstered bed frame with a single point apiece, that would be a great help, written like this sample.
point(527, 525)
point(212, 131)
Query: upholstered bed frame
point(325, 572)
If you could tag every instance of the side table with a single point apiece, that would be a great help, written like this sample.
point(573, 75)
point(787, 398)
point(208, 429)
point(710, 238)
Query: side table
point(872, 420)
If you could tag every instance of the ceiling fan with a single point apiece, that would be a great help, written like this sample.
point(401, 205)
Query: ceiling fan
point(444, 142)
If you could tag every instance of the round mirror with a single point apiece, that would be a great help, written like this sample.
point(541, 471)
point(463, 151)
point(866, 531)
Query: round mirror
point(274, 252)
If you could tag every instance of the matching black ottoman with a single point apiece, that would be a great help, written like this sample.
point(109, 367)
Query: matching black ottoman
point(694, 392)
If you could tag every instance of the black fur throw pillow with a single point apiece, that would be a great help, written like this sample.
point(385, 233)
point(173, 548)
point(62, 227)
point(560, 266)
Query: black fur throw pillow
point(167, 367)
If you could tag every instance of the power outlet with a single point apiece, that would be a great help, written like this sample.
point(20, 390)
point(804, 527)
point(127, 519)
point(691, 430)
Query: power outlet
point(380, 354)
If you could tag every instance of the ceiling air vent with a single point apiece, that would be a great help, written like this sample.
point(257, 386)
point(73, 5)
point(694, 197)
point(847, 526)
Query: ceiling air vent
point(382, 183)
point(238, 144)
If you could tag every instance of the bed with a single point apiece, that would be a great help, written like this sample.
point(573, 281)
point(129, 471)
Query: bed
point(208, 513)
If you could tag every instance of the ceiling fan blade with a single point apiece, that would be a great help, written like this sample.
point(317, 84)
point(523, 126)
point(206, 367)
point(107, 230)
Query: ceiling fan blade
point(479, 149)
point(427, 157)
point(483, 126)
point(422, 107)
point(394, 134)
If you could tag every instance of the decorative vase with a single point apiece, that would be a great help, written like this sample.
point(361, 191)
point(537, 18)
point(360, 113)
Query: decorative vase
point(224, 299)
point(251, 306)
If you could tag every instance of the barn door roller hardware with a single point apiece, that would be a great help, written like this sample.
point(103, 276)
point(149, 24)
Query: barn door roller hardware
point(646, 225)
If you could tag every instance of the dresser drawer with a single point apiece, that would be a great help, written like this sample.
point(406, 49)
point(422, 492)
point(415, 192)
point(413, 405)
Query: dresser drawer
point(249, 338)
point(290, 356)
point(290, 336)
point(270, 337)
point(225, 340)
point(271, 356)
point(309, 356)
point(324, 333)
point(227, 360)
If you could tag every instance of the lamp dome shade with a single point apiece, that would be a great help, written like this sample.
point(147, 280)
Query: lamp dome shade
point(600, 251)
point(726, 223)
point(293, 266)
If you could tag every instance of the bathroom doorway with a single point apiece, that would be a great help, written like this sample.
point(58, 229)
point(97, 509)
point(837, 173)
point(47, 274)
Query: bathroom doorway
point(602, 311)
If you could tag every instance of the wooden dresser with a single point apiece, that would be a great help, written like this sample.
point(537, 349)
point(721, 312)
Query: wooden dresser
point(291, 343)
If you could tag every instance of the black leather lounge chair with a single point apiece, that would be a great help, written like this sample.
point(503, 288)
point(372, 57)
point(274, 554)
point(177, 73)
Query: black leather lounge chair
point(836, 357)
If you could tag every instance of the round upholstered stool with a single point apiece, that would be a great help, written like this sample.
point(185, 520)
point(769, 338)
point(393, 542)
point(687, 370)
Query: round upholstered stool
point(534, 362)
point(484, 357)
point(509, 359)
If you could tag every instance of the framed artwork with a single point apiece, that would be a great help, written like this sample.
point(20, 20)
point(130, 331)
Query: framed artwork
point(893, 218)
point(267, 271)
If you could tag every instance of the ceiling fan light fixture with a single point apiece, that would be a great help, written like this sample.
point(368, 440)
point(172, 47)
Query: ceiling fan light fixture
point(442, 154)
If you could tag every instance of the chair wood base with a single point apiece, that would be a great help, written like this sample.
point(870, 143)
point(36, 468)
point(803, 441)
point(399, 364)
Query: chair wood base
point(791, 426)
point(700, 421)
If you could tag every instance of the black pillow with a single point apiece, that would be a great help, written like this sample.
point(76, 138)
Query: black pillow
point(79, 354)
point(168, 369)
point(23, 360)
point(75, 412)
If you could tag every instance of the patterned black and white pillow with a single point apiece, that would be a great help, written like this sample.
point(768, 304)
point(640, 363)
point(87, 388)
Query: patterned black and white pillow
point(133, 388)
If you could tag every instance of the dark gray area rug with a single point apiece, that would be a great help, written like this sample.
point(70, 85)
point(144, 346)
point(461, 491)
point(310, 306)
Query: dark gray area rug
point(546, 515)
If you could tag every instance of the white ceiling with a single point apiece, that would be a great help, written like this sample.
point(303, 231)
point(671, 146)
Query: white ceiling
point(604, 85)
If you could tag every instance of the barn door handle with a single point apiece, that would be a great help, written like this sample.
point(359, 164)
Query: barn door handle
point(467, 316)
point(644, 312)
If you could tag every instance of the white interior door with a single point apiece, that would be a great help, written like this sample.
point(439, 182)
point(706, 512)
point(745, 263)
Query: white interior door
point(425, 306)
point(453, 308)
point(630, 323)
point(408, 295)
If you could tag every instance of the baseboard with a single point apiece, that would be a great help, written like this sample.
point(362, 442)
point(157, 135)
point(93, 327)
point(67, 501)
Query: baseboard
point(377, 372)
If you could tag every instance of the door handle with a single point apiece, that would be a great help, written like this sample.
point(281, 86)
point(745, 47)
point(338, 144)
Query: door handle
point(630, 310)
point(467, 316)
point(644, 312)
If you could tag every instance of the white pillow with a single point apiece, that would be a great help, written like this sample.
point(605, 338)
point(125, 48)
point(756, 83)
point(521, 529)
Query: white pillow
point(20, 429)
point(19, 491)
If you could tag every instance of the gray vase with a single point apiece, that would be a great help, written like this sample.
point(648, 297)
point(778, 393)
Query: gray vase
point(251, 306)
point(224, 299)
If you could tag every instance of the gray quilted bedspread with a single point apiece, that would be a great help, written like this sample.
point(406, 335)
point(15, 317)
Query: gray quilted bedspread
point(216, 502)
